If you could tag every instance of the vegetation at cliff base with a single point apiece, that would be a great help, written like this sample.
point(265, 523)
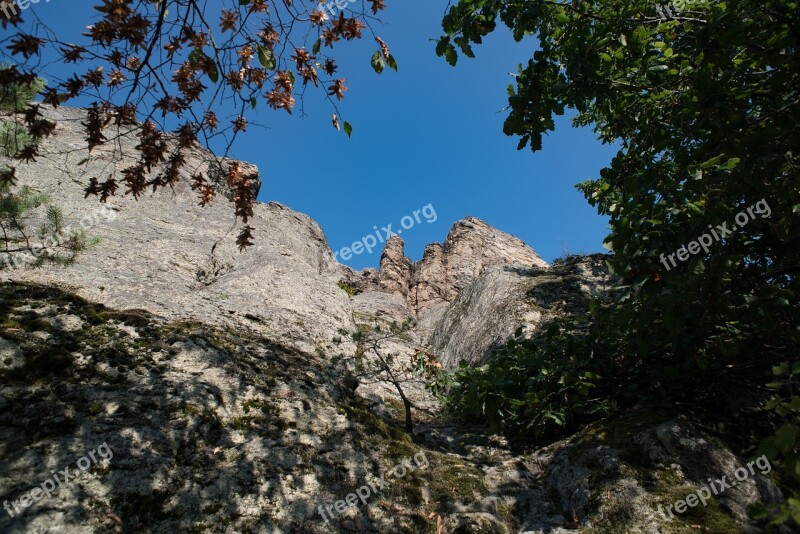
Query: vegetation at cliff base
point(704, 106)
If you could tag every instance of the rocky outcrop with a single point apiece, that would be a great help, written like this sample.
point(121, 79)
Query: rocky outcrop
point(506, 298)
point(429, 285)
point(472, 246)
point(395, 271)
point(206, 426)
point(445, 269)
point(167, 255)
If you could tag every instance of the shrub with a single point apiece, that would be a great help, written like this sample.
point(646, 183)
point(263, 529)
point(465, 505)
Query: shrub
point(13, 138)
point(15, 97)
point(541, 385)
point(347, 288)
point(56, 244)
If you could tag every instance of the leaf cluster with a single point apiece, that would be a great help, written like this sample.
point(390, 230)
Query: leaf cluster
point(175, 65)
point(545, 386)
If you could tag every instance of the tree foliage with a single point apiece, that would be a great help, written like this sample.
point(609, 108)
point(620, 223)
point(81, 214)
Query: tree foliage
point(374, 363)
point(704, 106)
point(178, 65)
point(50, 242)
point(15, 97)
point(546, 385)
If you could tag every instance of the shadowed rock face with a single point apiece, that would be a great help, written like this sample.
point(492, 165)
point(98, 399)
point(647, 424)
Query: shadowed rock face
point(429, 279)
point(507, 297)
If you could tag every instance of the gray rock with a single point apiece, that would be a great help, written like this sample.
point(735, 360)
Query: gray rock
point(505, 298)
point(167, 255)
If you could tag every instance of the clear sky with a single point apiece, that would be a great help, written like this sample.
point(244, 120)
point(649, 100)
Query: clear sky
point(427, 134)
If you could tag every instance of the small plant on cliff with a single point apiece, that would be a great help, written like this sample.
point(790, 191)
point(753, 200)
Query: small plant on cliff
point(51, 242)
point(373, 364)
point(347, 288)
point(14, 97)
point(13, 138)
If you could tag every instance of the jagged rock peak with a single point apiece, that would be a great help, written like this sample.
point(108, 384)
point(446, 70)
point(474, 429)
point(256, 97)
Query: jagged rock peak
point(472, 245)
point(445, 269)
point(395, 269)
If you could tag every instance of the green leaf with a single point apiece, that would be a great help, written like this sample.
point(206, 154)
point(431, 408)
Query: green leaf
point(194, 57)
point(392, 63)
point(451, 55)
point(213, 72)
point(266, 58)
point(441, 46)
point(377, 62)
point(781, 369)
point(785, 438)
point(694, 208)
point(348, 129)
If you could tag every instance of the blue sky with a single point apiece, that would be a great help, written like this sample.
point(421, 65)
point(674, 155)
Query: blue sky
point(427, 134)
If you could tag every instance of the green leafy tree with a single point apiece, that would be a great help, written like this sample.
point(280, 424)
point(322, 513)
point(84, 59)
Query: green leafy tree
point(703, 103)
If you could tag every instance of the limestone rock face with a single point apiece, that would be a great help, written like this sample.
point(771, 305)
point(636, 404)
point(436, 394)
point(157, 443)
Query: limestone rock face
point(395, 271)
point(485, 314)
point(472, 292)
point(507, 297)
point(445, 269)
point(167, 255)
point(429, 279)
point(472, 245)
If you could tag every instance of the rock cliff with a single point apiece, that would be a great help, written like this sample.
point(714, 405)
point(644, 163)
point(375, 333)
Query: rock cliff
point(167, 255)
point(214, 377)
